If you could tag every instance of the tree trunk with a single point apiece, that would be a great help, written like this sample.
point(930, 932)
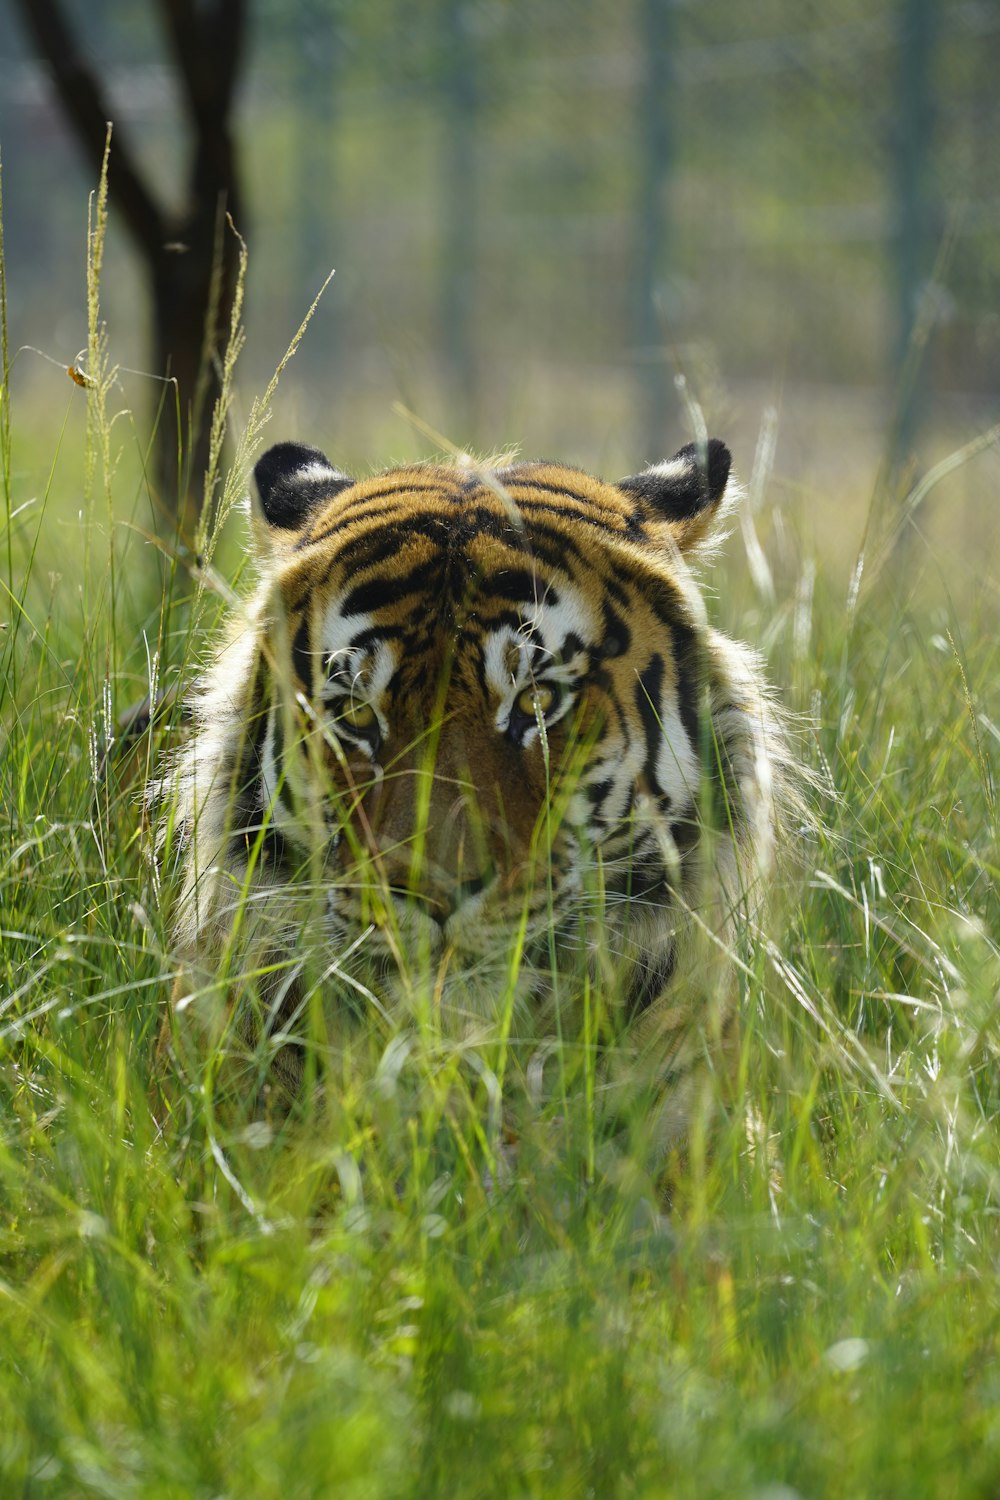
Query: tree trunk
point(192, 280)
point(191, 257)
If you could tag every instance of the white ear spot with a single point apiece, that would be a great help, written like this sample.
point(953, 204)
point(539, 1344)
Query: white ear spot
point(691, 482)
point(291, 480)
point(668, 471)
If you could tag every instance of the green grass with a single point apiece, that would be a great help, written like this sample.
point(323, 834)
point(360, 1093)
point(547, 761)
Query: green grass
point(358, 1302)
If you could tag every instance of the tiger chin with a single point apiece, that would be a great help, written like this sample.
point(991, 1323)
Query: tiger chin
point(473, 758)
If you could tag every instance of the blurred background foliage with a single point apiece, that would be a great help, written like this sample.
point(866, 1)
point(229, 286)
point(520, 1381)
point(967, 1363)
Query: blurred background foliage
point(543, 215)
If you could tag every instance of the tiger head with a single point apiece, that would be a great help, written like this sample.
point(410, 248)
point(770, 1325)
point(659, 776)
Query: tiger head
point(470, 706)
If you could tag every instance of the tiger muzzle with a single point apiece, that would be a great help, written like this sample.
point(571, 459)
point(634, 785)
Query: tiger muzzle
point(440, 833)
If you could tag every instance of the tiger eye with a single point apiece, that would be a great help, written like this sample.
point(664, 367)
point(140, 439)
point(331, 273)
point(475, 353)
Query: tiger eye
point(539, 699)
point(357, 715)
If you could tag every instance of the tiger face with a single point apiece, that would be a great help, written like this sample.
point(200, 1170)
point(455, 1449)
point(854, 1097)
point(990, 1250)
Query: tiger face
point(474, 711)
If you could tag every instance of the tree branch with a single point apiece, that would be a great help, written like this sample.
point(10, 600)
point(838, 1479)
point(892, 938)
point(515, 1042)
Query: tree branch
point(87, 109)
point(229, 26)
point(207, 43)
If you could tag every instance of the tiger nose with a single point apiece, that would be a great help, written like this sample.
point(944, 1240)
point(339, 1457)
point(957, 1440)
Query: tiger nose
point(439, 896)
point(464, 890)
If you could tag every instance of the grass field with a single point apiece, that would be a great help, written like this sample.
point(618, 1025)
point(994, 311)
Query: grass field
point(357, 1303)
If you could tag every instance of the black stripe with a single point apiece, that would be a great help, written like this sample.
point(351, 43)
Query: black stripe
point(666, 603)
point(302, 655)
point(569, 512)
point(445, 528)
point(687, 663)
point(348, 515)
point(511, 618)
point(385, 540)
point(246, 769)
point(573, 644)
point(248, 764)
point(379, 593)
point(597, 794)
point(369, 550)
point(549, 545)
point(546, 487)
point(648, 699)
point(516, 583)
point(617, 637)
point(284, 784)
point(619, 585)
point(374, 635)
point(554, 551)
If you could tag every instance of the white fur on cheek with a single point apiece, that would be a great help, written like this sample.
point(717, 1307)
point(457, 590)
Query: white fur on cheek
point(553, 623)
point(340, 630)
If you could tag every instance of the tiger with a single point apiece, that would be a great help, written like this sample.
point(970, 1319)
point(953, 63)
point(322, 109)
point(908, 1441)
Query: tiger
point(473, 741)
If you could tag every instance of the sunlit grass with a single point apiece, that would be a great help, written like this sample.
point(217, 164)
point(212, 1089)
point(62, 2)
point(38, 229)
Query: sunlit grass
point(373, 1297)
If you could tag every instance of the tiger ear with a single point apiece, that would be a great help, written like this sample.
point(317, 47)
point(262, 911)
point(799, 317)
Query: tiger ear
point(687, 491)
point(290, 481)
